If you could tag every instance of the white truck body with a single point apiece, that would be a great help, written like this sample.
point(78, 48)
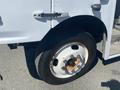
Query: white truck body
point(19, 22)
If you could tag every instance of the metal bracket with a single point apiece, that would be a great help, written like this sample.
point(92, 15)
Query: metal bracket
point(96, 7)
point(50, 15)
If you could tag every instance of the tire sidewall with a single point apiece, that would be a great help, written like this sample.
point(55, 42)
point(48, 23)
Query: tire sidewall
point(44, 63)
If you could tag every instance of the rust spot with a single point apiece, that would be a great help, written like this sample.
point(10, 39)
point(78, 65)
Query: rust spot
point(75, 67)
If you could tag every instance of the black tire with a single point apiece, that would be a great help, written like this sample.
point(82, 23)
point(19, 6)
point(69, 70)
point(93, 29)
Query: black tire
point(46, 57)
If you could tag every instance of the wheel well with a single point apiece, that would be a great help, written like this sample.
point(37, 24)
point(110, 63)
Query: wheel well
point(74, 26)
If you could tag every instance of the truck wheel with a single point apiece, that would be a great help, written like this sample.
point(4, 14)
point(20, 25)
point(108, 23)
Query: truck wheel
point(68, 60)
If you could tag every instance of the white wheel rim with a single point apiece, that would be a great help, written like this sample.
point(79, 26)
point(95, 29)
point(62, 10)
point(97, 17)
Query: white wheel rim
point(72, 51)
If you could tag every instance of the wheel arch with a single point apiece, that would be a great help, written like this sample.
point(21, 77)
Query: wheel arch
point(75, 25)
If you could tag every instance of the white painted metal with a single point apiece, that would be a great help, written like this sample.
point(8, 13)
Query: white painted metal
point(83, 7)
point(113, 56)
point(110, 20)
point(18, 23)
point(74, 8)
point(63, 55)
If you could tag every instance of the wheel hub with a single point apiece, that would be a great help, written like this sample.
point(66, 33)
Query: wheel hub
point(69, 60)
point(73, 65)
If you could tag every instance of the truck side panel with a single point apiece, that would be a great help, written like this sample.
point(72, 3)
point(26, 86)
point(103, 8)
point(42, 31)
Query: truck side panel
point(17, 22)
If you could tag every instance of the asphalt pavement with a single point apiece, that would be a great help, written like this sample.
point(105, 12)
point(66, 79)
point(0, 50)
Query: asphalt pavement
point(16, 74)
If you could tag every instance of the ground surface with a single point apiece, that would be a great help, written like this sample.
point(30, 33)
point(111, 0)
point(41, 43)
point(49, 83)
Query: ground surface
point(16, 76)
point(115, 43)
